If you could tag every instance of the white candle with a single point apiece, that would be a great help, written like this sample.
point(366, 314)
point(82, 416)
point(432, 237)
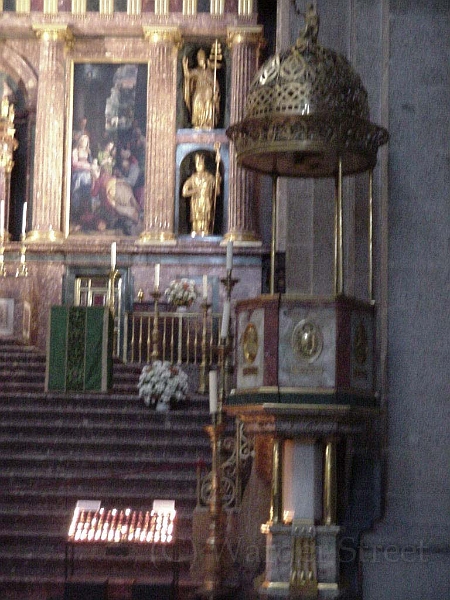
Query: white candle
point(24, 218)
point(113, 256)
point(229, 255)
point(213, 392)
point(225, 319)
point(205, 287)
point(157, 271)
point(2, 218)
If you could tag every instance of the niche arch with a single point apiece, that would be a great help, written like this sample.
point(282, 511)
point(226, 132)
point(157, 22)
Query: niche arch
point(18, 81)
point(185, 167)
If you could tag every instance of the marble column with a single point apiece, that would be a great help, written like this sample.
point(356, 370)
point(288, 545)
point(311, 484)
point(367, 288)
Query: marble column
point(159, 206)
point(244, 43)
point(48, 161)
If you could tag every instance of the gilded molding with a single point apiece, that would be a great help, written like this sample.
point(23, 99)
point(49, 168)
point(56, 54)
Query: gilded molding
point(54, 33)
point(242, 238)
point(156, 237)
point(245, 35)
point(38, 235)
point(160, 34)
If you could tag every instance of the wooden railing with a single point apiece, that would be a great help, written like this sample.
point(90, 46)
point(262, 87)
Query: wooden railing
point(179, 337)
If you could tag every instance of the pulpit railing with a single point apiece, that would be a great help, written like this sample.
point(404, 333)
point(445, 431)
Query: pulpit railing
point(180, 337)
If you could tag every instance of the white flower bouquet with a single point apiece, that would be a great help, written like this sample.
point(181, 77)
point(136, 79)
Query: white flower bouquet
point(181, 292)
point(162, 384)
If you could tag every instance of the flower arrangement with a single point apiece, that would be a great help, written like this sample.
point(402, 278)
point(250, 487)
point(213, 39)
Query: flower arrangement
point(181, 292)
point(161, 384)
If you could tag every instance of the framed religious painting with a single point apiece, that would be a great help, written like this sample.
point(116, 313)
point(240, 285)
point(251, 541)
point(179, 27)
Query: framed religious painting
point(106, 165)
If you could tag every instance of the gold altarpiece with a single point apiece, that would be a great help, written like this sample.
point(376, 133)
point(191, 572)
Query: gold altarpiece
point(52, 47)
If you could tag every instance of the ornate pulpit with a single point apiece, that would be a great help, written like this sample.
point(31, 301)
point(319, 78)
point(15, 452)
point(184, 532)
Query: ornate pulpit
point(306, 364)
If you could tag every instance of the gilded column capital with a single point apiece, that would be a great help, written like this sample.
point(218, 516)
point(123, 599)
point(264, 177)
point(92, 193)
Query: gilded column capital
point(163, 34)
point(250, 34)
point(54, 33)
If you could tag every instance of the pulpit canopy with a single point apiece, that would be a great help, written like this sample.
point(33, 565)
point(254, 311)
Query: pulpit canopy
point(305, 109)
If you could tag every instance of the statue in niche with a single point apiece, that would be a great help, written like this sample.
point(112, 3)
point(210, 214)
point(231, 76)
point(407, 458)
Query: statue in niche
point(201, 88)
point(202, 187)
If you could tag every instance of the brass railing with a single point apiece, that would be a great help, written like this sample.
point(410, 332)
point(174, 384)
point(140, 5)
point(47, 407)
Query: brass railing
point(237, 452)
point(181, 337)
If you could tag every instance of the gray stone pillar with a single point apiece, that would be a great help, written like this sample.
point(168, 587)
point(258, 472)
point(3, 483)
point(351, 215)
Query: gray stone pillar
point(407, 555)
point(48, 154)
point(161, 135)
point(244, 43)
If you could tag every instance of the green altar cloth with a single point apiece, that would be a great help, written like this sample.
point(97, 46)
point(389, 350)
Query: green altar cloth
point(79, 349)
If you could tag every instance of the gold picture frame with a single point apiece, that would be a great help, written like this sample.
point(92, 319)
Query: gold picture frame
point(107, 148)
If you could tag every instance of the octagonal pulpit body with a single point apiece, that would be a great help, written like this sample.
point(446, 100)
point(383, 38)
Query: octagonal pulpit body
point(297, 350)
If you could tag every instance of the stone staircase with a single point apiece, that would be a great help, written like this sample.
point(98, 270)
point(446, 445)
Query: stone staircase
point(57, 448)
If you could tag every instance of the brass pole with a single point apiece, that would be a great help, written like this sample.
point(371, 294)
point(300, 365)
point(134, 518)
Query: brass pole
point(203, 383)
point(338, 236)
point(371, 234)
point(212, 582)
point(22, 269)
point(156, 294)
point(273, 243)
point(2, 257)
point(113, 275)
point(330, 484)
point(276, 500)
point(226, 344)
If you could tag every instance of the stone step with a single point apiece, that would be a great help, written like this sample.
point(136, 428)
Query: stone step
point(149, 463)
point(57, 448)
point(91, 561)
point(35, 401)
point(109, 445)
point(67, 498)
point(132, 424)
point(136, 421)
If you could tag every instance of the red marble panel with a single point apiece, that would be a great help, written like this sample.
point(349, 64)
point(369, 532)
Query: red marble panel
point(231, 6)
point(148, 6)
point(37, 5)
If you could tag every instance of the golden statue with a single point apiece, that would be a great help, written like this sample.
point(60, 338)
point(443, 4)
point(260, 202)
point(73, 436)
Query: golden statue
point(201, 88)
point(202, 187)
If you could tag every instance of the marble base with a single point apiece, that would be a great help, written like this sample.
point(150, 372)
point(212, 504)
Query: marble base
point(279, 548)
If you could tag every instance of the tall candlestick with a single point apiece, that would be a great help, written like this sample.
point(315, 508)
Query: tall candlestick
point(213, 392)
point(225, 319)
point(157, 271)
point(2, 218)
point(113, 256)
point(229, 255)
point(205, 287)
point(24, 218)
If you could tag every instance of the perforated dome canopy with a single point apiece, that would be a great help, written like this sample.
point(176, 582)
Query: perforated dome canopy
point(305, 108)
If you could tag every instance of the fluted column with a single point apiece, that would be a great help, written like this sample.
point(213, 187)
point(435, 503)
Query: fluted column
point(161, 134)
point(244, 43)
point(48, 161)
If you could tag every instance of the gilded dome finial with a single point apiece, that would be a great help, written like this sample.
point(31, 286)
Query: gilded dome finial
point(309, 35)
